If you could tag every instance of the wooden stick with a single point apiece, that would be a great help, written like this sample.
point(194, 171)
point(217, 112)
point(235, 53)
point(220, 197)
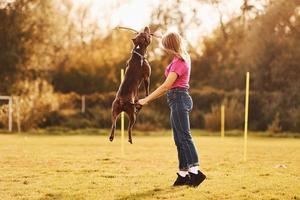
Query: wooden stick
point(157, 36)
point(135, 31)
point(126, 28)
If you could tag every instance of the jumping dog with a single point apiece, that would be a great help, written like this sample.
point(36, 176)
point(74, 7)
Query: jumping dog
point(138, 71)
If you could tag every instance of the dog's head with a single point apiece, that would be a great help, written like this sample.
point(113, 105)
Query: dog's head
point(143, 39)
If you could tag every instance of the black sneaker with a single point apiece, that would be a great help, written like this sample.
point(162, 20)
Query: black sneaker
point(181, 180)
point(196, 179)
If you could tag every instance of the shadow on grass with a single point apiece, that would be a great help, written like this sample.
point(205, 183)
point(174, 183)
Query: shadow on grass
point(59, 196)
point(51, 196)
point(148, 193)
point(159, 193)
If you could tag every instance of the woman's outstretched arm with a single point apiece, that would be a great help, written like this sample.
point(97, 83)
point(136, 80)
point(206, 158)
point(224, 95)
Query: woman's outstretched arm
point(171, 78)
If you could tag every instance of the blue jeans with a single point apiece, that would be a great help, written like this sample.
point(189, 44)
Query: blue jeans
point(180, 103)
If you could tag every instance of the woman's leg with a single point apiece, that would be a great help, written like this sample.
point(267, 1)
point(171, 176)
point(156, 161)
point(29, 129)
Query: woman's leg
point(181, 128)
point(187, 153)
point(182, 175)
point(182, 125)
point(183, 166)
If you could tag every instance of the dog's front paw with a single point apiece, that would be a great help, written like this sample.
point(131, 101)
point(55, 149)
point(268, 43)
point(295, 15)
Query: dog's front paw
point(138, 107)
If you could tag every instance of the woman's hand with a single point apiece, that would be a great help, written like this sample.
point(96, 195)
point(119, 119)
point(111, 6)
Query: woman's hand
point(160, 90)
point(143, 101)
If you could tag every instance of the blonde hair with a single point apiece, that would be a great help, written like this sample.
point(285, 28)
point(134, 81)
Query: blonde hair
point(173, 44)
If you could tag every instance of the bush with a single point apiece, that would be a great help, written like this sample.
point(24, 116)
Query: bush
point(36, 100)
point(212, 120)
point(233, 116)
point(204, 98)
point(153, 118)
point(292, 120)
point(275, 127)
point(40, 107)
point(54, 118)
point(101, 116)
point(3, 115)
point(76, 123)
point(197, 119)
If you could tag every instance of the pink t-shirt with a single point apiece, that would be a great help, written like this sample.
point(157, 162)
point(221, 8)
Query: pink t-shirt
point(182, 69)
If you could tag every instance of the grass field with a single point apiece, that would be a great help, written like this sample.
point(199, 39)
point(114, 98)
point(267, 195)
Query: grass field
point(90, 167)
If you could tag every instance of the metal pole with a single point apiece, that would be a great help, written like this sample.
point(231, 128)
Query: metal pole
point(122, 119)
point(246, 115)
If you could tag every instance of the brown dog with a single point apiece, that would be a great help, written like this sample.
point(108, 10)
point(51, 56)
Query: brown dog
point(137, 71)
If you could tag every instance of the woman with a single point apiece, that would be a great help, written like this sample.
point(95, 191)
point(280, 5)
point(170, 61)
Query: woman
point(180, 102)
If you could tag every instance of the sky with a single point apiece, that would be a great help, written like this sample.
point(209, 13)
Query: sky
point(136, 13)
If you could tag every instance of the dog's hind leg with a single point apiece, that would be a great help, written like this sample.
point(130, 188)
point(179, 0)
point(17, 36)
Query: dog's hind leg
point(147, 85)
point(113, 127)
point(132, 119)
point(115, 114)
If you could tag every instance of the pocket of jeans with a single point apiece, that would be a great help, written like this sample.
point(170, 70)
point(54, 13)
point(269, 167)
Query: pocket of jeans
point(188, 103)
point(171, 97)
point(170, 100)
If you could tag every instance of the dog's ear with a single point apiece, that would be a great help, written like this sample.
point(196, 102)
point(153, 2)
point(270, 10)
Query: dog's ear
point(147, 30)
point(134, 41)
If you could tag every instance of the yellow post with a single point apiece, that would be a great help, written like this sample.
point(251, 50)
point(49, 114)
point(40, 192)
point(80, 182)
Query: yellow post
point(122, 119)
point(246, 115)
point(222, 121)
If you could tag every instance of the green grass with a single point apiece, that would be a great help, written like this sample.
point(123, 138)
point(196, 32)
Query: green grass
point(196, 132)
point(90, 167)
